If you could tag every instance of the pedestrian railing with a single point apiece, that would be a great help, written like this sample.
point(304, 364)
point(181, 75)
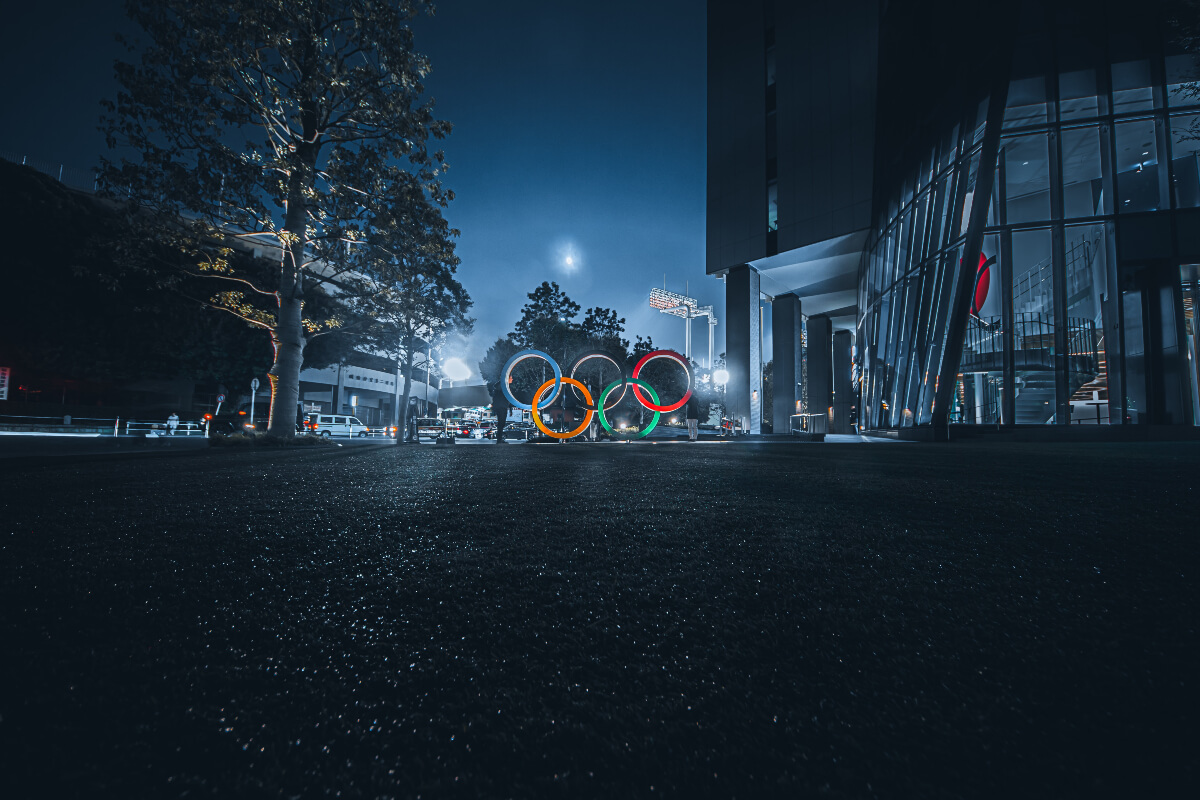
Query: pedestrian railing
point(135, 428)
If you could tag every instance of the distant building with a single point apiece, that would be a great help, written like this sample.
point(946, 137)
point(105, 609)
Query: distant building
point(954, 215)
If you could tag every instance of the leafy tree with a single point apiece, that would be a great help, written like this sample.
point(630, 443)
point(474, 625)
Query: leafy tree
point(301, 122)
point(546, 322)
point(419, 301)
point(490, 369)
point(640, 348)
point(604, 330)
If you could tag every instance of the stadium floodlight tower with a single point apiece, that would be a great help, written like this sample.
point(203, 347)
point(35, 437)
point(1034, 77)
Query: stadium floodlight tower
point(686, 307)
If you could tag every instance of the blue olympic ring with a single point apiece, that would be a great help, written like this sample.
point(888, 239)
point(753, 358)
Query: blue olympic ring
point(507, 373)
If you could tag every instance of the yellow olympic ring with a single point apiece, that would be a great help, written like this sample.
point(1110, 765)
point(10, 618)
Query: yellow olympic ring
point(537, 418)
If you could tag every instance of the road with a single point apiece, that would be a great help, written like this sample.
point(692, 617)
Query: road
point(726, 620)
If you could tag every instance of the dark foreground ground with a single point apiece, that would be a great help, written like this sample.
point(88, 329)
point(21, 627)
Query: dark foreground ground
point(609, 621)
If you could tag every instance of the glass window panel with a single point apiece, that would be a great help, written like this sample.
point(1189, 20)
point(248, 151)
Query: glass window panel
point(921, 226)
point(964, 217)
point(979, 124)
point(1131, 86)
point(1137, 166)
point(1183, 80)
point(949, 148)
point(1083, 194)
point(1026, 103)
point(1185, 158)
point(940, 210)
point(1027, 178)
point(946, 292)
point(772, 206)
point(1077, 95)
point(1035, 391)
point(931, 345)
point(1089, 306)
point(1135, 357)
point(905, 243)
point(978, 395)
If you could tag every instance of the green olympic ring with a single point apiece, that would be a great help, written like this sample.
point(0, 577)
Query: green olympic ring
point(604, 396)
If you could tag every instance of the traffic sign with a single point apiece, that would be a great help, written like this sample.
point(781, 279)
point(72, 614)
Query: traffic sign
point(220, 398)
point(254, 385)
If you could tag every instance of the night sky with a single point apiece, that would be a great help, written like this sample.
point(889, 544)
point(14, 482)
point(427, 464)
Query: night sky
point(579, 129)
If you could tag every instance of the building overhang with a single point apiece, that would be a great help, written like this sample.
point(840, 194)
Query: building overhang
point(824, 275)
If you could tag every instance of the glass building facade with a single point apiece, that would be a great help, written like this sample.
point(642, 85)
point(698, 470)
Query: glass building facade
point(1083, 293)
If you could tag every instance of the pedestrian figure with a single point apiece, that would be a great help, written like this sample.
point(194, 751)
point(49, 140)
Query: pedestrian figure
point(172, 423)
point(693, 418)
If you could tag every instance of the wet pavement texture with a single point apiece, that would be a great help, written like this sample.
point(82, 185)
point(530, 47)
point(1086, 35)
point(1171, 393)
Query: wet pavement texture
point(741, 620)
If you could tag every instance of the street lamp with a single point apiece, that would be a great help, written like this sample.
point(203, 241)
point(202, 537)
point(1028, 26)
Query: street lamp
point(721, 377)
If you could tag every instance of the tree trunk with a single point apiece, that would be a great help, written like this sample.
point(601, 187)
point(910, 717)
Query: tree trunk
point(288, 336)
point(288, 339)
point(407, 368)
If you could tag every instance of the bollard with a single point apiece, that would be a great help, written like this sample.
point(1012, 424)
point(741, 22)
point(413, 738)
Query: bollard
point(117, 427)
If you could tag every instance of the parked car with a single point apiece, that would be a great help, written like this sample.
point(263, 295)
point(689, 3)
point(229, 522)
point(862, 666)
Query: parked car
point(516, 430)
point(339, 425)
point(430, 428)
point(469, 430)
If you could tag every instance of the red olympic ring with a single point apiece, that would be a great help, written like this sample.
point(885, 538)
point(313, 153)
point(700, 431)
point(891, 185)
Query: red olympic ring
point(637, 391)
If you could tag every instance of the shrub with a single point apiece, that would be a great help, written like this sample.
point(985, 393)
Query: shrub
point(255, 439)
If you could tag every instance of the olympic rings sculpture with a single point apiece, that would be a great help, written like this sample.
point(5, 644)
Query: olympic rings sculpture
point(601, 404)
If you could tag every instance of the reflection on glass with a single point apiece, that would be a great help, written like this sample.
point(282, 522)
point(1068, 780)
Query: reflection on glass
point(1032, 269)
point(772, 206)
point(1089, 307)
point(1137, 166)
point(979, 393)
point(1191, 295)
point(1131, 86)
point(1026, 103)
point(1077, 95)
point(1185, 151)
point(1183, 75)
point(1135, 357)
point(1027, 178)
point(1083, 194)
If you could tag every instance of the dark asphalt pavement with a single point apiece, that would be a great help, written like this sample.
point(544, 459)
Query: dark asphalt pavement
point(712, 620)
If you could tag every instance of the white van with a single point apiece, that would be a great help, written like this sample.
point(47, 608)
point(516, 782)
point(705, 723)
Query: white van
point(338, 425)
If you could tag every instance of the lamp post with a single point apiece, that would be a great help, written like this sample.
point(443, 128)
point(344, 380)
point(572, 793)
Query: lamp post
point(253, 394)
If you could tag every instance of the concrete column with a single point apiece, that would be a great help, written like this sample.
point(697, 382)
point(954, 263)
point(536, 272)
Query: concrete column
point(339, 391)
point(843, 387)
point(743, 355)
point(788, 349)
point(820, 364)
